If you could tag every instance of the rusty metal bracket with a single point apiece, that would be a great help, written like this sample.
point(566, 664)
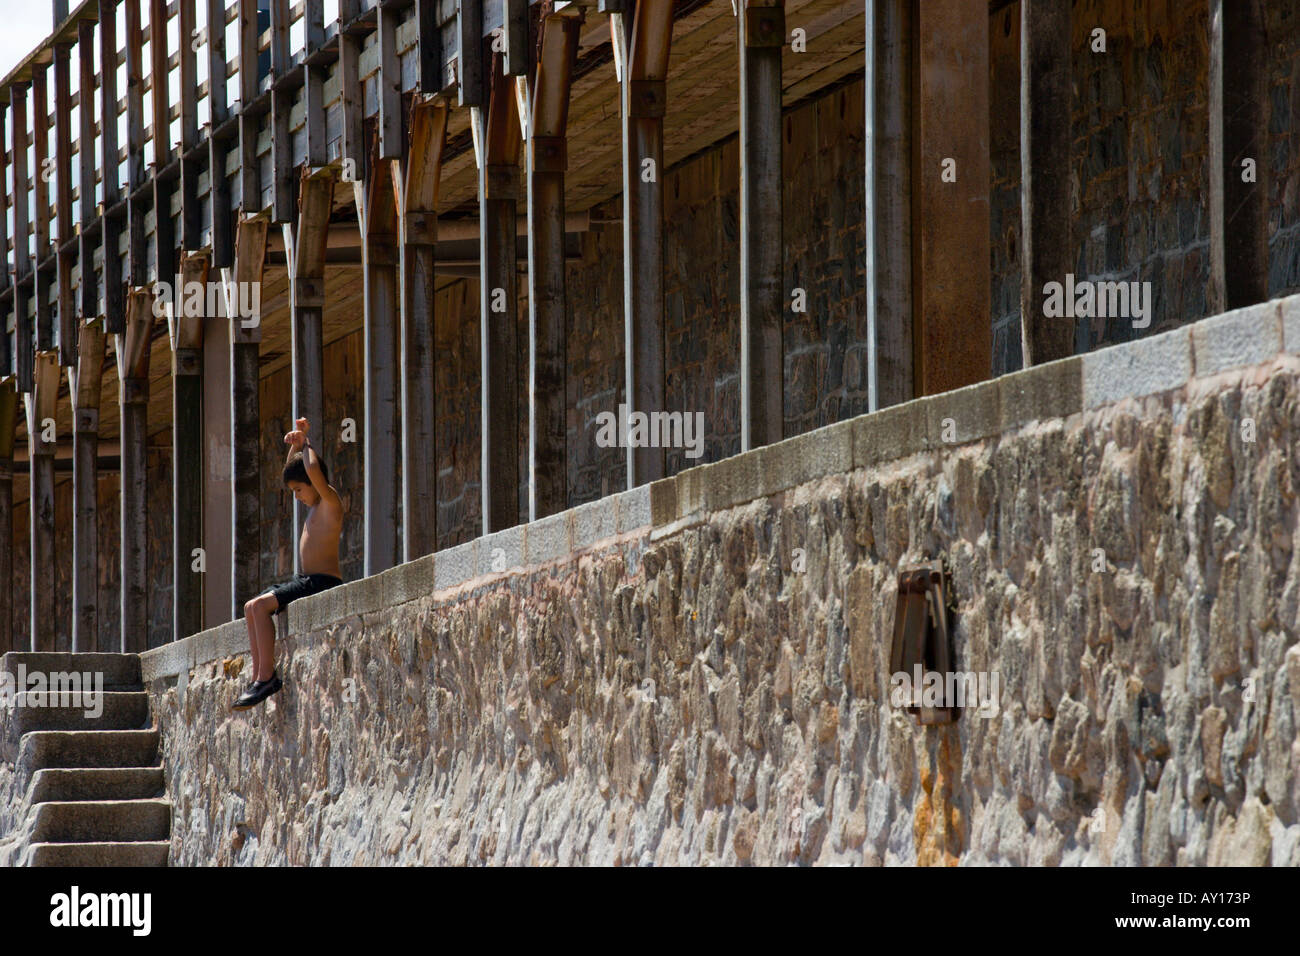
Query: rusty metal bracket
point(764, 26)
point(549, 154)
point(922, 636)
point(647, 98)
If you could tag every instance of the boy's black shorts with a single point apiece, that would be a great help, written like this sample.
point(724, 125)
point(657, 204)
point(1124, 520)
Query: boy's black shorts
point(301, 586)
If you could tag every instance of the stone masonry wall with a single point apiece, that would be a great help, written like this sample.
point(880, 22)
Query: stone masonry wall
point(695, 672)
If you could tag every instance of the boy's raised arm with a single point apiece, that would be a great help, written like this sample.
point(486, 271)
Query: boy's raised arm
point(313, 467)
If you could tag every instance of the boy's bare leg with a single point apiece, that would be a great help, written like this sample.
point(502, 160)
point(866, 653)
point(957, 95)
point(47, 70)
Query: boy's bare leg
point(263, 608)
point(250, 619)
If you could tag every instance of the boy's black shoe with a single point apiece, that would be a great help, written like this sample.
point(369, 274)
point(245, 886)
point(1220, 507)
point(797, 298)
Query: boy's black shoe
point(258, 692)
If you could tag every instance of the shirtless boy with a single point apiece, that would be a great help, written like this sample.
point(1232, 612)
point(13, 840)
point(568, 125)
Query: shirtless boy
point(318, 557)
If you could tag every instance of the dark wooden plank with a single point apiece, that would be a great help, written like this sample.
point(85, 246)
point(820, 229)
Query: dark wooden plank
point(137, 268)
point(250, 199)
point(282, 166)
point(111, 232)
point(419, 233)
point(469, 53)
point(314, 87)
point(644, 97)
point(1239, 122)
point(246, 425)
point(1046, 222)
point(382, 386)
point(498, 304)
point(85, 386)
point(133, 347)
point(42, 174)
point(762, 299)
point(42, 408)
point(191, 219)
point(389, 82)
point(24, 367)
point(547, 295)
point(86, 166)
point(187, 456)
point(8, 420)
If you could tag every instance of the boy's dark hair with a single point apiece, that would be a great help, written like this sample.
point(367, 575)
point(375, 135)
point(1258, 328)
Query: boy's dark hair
point(296, 469)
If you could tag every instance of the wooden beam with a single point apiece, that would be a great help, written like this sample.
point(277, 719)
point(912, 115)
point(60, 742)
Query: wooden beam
point(245, 420)
point(313, 98)
point(6, 355)
point(41, 411)
point(23, 357)
point(67, 232)
point(191, 220)
point(498, 307)
point(137, 273)
point(41, 195)
point(352, 144)
point(282, 166)
point(644, 103)
point(469, 53)
point(8, 421)
point(389, 87)
point(378, 212)
point(428, 35)
point(84, 384)
point(418, 205)
point(250, 197)
point(953, 339)
point(110, 175)
point(86, 168)
point(762, 299)
point(546, 162)
point(160, 84)
point(1240, 60)
point(1046, 222)
point(186, 337)
point(132, 349)
point(307, 305)
point(889, 212)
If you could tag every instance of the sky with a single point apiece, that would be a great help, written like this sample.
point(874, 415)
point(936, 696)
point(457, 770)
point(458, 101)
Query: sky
point(25, 24)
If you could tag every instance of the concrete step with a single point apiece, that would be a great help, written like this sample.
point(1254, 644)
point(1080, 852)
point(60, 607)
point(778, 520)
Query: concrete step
point(143, 853)
point(96, 783)
point(117, 710)
point(41, 749)
point(120, 671)
point(86, 821)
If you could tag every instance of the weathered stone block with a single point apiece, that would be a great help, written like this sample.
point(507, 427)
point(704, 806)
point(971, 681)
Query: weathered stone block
point(406, 582)
point(964, 414)
point(502, 551)
point(1145, 367)
point(891, 433)
point(1053, 390)
point(734, 481)
point(633, 508)
point(455, 566)
point(594, 521)
point(550, 538)
point(663, 503)
point(807, 457)
point(1249, 336)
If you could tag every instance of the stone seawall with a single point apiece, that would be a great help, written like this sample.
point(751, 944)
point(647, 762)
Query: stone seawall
point(696, 672)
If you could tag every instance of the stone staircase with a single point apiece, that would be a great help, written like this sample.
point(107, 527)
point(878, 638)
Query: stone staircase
point(85, 790)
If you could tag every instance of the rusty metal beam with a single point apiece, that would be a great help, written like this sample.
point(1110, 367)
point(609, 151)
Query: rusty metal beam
point(132, 347)
point(1240, 156)
point(546, 162)
point(498, 195)
point(245, 420)
point(762, 300)
point(84, 385)
point(377, 209)
point(41, 410)
point(1046, 233)
point(644, 103)
point(953, 337)
point(418, 207)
